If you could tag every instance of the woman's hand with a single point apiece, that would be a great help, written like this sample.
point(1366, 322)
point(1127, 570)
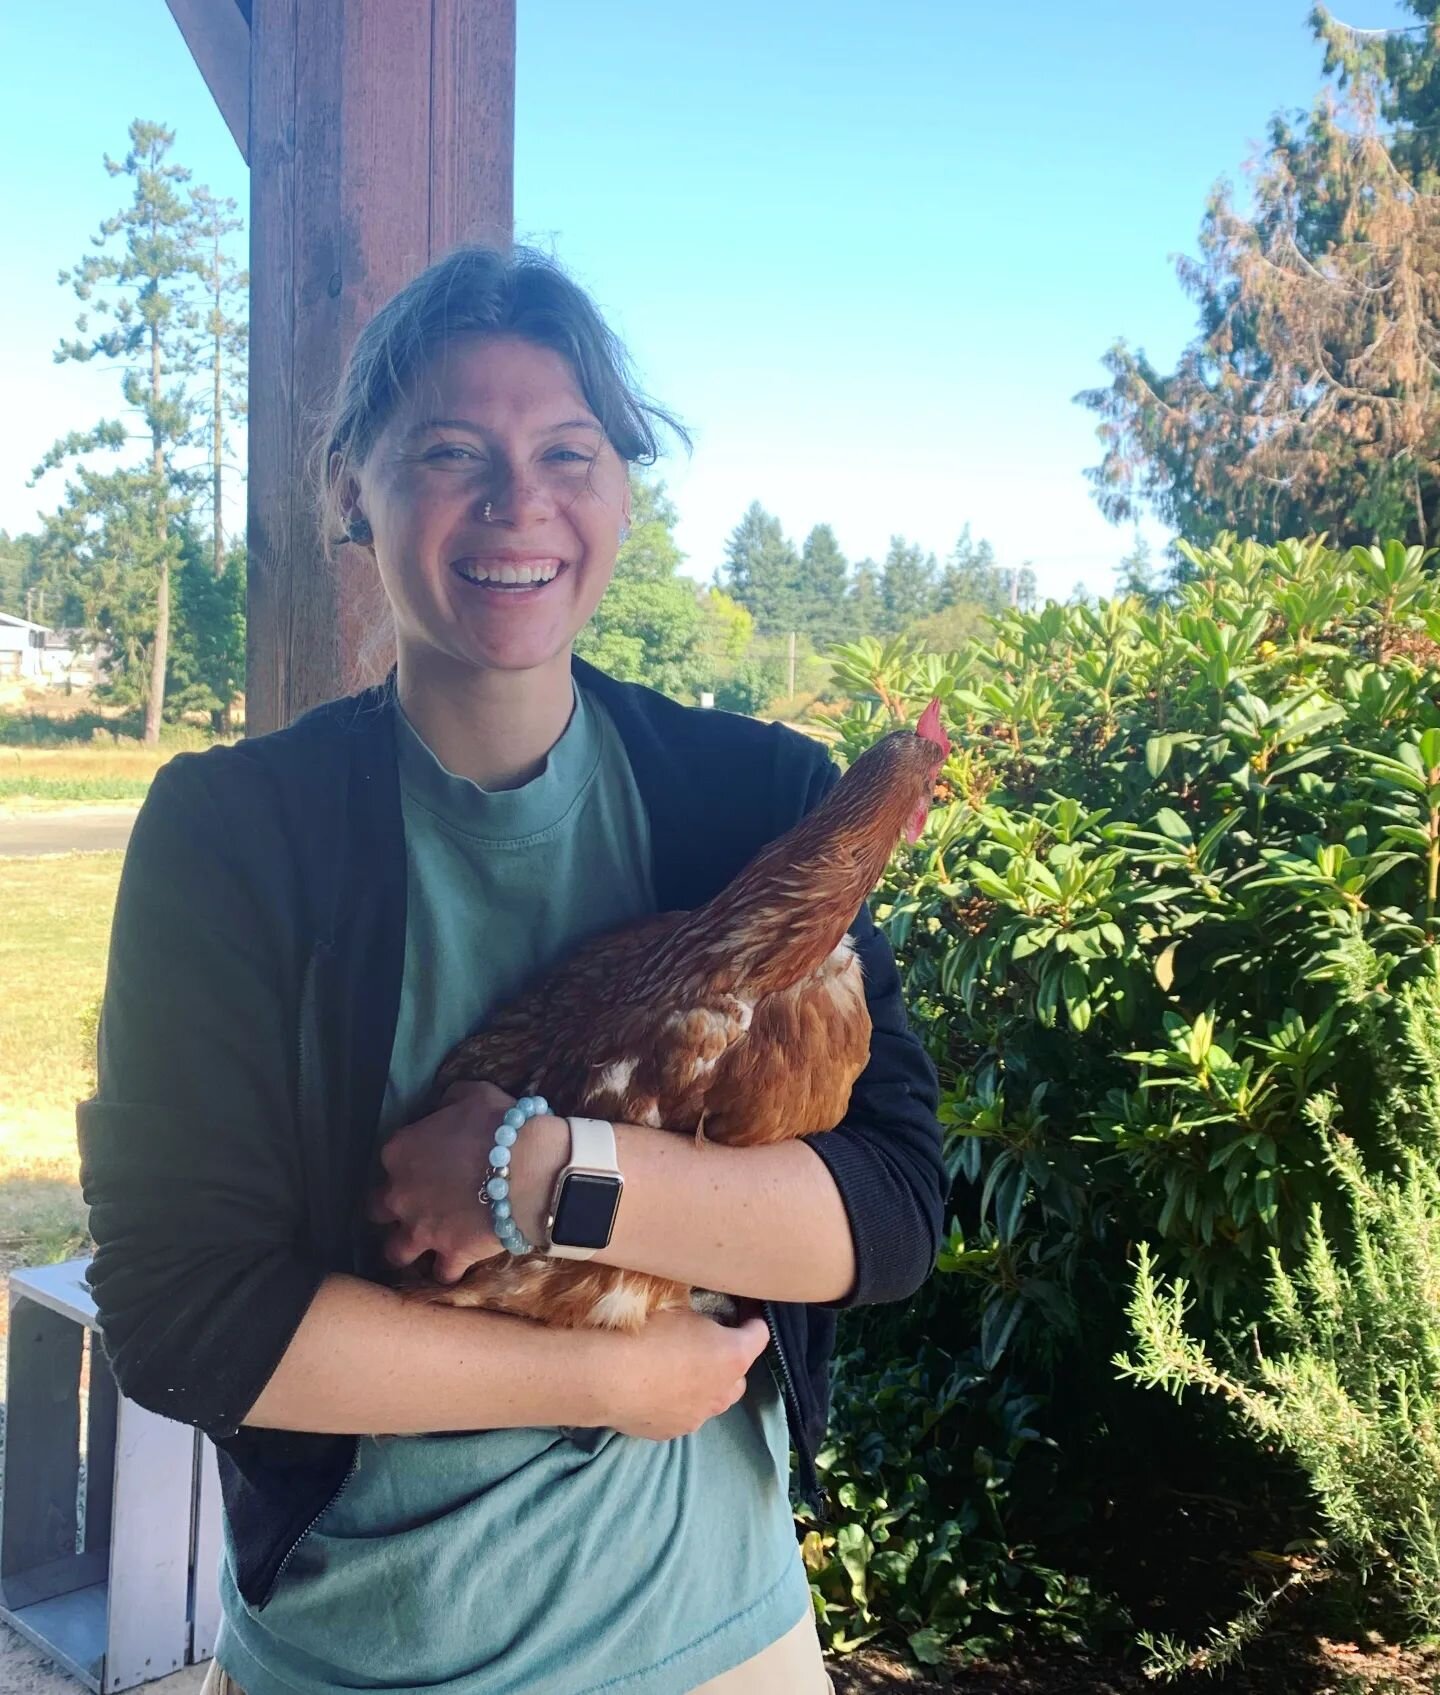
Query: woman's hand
point(436, 1167)
point(678, 1371)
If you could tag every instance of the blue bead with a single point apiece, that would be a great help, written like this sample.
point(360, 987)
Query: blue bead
point(539, 1106)
point(500, 1157)
point(515, 1119)
point(505, 1136)
point(500, 1211)
point(497, 1188)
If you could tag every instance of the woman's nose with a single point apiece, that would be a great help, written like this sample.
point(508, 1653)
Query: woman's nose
point(517, 498)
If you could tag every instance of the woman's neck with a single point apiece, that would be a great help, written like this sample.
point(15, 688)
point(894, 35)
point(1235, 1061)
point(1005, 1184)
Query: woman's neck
point(494, 727)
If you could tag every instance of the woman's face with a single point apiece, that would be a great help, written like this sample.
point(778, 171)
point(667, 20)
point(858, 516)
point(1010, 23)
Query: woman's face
point(499, 424)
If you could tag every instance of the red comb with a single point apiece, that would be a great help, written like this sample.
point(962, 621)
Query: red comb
point(932, 729)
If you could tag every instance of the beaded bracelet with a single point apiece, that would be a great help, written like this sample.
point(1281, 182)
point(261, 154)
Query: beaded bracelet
point(496, 1192)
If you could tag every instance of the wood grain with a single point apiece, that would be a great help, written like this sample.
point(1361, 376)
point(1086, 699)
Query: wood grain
point(381, 135)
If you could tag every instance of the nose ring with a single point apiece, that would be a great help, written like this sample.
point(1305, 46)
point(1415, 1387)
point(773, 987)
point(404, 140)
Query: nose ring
point(485, 514)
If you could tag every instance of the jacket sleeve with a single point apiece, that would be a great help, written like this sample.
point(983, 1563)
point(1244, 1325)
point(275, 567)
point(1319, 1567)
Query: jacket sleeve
point(189, 1158)
point(885, 1155)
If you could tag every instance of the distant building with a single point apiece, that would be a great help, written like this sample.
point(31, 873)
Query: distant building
point(22, 645)
point(41, 655)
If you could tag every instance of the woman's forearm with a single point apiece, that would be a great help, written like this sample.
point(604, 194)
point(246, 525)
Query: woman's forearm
point(766, 1223)
point(364, 1360)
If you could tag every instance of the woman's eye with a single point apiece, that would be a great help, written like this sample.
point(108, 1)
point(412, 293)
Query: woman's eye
point(568, 456)
point(450, 455)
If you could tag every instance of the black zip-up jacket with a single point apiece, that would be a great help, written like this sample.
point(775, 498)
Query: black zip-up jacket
point(254, 982)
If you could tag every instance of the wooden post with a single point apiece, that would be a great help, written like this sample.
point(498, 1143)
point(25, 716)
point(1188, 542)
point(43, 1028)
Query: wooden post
point(380, 135)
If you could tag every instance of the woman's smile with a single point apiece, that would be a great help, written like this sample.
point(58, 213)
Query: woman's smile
point(507, 576)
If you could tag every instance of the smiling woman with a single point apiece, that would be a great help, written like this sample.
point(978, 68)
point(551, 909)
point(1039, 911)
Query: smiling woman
point(308, 924)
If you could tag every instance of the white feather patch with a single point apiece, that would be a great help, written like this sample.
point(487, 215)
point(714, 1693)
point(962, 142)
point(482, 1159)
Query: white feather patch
point(615, 1079)
point(620, 1308)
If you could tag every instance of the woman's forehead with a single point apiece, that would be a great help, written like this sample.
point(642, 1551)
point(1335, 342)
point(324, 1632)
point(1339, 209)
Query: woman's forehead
point(476, 378)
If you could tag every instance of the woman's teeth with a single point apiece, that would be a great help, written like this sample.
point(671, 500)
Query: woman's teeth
point(508, 576)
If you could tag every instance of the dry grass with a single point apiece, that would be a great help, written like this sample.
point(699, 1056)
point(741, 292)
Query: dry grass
point(33, 778)
point(54, 928)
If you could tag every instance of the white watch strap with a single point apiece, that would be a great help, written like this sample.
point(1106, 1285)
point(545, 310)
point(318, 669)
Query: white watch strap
point(592, 1148)
point(592, 1145)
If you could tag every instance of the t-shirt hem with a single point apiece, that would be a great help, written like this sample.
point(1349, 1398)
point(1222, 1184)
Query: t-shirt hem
point(721, 1649)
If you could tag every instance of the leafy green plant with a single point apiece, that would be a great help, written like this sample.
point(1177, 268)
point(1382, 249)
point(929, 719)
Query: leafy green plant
point(919, 1471)
point(1351, 1386)
point(1178, 895)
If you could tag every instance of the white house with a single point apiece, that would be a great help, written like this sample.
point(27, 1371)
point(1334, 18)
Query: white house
point(22, 647)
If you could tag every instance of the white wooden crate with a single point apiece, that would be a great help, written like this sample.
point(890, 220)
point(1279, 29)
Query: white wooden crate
point(127, 1592)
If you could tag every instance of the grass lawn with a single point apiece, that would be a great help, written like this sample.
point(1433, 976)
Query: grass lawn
point(54, 929)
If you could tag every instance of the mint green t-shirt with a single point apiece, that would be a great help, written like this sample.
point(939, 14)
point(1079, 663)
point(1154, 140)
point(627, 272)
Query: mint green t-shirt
point(527, 1562)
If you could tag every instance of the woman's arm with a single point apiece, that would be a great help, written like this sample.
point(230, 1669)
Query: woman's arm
point(767, 1223)
point(366, 1360)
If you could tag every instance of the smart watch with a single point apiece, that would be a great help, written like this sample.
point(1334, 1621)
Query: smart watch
point(586, 1196)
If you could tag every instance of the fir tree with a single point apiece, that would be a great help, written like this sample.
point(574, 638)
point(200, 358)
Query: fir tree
point(824, 578)
point(863, 611)
point(138, 281)
point(762, 571)
point(908, 588)
point(222, 341)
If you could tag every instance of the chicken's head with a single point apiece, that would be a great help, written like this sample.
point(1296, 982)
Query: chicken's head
point(932, 731)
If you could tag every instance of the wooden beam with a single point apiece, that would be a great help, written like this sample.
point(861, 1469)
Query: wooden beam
point(217, 32)
point(381, 136)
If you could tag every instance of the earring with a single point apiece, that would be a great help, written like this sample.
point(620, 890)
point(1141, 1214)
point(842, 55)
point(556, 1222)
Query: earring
point(485, 512)
point(358, 530)
point(624, 532)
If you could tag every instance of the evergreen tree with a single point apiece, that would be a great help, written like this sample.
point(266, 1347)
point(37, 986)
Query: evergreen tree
point(138, 281)
point(207, 657)
point(1135, 574)
point(1309, 398)
point(970, 576)
point(824, 579)
point(908, 587)
point(222, 341)
point(863, 611)
point(19, 575)
point(762, 571)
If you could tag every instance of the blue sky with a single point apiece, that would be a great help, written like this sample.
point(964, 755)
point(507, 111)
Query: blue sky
point(868, 253)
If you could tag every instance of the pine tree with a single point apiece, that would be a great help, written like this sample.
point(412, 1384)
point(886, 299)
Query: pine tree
point(863, 611)
point(145, 265)
point(970, 576)
point(1135, 574)
point(824, 579)
point(223, 339)
point(762, 571)
point(19, 574)
point(908, 588)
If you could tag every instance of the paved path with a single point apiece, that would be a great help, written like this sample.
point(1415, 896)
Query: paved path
point(91, 831)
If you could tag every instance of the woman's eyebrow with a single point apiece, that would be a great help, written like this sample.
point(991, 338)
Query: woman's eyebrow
point(476, 430)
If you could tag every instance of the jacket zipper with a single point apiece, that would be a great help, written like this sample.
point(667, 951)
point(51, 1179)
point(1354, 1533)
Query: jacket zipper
point(809, 1476)
point(290, 1552)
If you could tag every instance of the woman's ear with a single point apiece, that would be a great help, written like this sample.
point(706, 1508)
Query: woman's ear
point(354, 525)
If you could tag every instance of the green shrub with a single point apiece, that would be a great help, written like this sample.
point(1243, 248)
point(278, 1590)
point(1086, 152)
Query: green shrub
point(1179, 895)
point(919, 1471)
point(1185, 879)
point(1351, 1387)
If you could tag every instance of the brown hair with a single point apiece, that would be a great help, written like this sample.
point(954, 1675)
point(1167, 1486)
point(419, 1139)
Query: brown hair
point(480, 291)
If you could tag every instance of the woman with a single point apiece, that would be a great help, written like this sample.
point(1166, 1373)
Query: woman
point(307, 923)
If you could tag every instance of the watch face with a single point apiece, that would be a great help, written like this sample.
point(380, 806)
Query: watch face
point(585, 1212)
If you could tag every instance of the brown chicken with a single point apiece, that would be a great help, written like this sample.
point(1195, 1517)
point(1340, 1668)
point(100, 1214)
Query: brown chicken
point(742, 1022)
